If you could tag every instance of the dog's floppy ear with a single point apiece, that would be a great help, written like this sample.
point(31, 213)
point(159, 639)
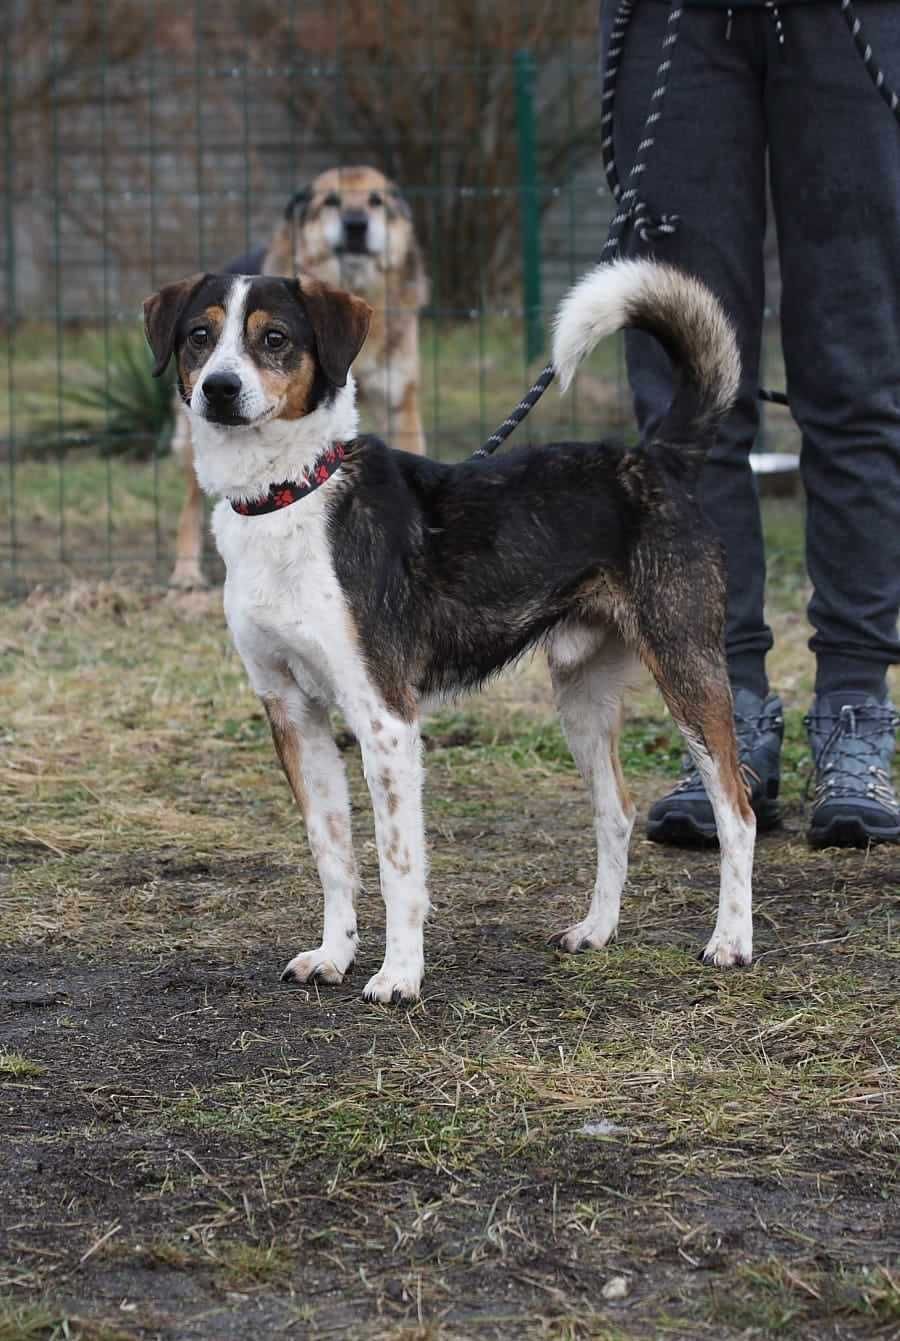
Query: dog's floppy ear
point(399, 201)
point(161, 313)
point(298, 203)
point(340, 323)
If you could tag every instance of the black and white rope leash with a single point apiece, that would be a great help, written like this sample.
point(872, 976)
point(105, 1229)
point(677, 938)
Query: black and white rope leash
point(873, 69)
point(774, 14)
point(629, 202)
point(608, 95)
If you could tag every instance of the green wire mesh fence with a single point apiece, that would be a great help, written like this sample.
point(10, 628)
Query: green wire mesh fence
point(145, 140)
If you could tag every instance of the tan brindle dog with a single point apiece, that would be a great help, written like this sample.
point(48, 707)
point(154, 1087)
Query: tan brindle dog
point(352, 228)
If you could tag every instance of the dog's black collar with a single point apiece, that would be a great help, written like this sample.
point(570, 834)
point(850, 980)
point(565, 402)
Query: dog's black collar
point(283, 495)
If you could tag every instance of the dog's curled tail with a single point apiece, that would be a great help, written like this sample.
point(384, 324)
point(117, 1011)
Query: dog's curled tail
point(682, 314)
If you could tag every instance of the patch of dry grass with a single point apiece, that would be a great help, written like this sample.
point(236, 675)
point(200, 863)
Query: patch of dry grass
point(44, 1322)
point(15, 1066)
point(479, 1166)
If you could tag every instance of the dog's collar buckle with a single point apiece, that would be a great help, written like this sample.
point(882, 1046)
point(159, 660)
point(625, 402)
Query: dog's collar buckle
point(291, 491)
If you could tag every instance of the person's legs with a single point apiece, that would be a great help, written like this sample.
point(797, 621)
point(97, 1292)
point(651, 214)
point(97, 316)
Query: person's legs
point(835, 165)
point(708, 167)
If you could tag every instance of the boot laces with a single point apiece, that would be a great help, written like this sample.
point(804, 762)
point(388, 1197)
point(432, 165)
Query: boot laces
point(838, 772)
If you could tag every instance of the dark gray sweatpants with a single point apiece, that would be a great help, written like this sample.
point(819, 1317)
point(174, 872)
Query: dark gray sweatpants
point(833, 150)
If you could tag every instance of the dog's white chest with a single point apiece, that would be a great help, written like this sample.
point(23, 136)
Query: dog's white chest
point(283, 602)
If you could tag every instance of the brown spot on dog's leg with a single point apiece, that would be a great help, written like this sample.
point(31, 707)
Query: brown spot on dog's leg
point(392, 799)
point(337, 829)
point(718, 732)
point(625, 800)
point(401, 699)
point(399, 860)
point(286, 739)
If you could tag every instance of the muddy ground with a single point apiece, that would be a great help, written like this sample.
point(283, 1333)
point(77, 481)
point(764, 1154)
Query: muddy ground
point(620, 1144)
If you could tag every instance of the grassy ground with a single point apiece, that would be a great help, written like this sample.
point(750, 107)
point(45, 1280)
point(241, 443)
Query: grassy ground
point(619, 1145)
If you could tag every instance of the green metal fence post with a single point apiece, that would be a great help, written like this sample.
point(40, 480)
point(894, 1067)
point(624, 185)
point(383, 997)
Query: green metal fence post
point(528, 204)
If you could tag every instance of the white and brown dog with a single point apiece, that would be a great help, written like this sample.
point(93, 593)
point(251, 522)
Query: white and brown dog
point(351, 227)
point(372, 579)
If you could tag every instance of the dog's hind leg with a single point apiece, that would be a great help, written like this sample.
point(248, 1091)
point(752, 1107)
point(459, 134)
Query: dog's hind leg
point(695, 685)
point(315, 771)
point(589, 700)
point(187, 575)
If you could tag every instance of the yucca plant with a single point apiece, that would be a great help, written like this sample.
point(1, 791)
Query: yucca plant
point(114, 405)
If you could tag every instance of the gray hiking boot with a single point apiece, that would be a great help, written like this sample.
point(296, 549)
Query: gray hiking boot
point(685, 816)
point(852, 741)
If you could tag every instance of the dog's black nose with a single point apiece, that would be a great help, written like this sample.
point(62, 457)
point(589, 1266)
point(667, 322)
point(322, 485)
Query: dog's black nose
point(222, 388)
point(356, 226)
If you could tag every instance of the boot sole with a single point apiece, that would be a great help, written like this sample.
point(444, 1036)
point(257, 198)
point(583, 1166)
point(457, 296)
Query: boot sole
point(849, 831)
point(679, 828)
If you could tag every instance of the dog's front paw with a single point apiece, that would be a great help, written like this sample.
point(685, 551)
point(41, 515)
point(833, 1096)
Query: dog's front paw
point(586, 935)
point(734, 950)
point(187, 576)
point(316, 966)
point(393, 988)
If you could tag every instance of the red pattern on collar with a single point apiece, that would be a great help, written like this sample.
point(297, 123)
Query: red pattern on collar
point(283, 495)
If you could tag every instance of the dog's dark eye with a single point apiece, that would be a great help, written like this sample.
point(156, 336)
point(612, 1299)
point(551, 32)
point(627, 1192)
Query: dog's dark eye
point(375, 200)
point(333, 199)
point(274, 339)
point(199, 337)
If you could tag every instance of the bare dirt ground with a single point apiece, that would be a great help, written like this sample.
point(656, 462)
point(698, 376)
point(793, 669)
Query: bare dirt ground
point(615, 1145)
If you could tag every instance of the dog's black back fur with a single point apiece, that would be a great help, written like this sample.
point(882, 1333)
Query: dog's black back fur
point(452, 571)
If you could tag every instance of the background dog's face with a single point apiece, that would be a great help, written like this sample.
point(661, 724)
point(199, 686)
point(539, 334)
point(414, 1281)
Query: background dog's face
point(250, 349)
point(355, 215)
